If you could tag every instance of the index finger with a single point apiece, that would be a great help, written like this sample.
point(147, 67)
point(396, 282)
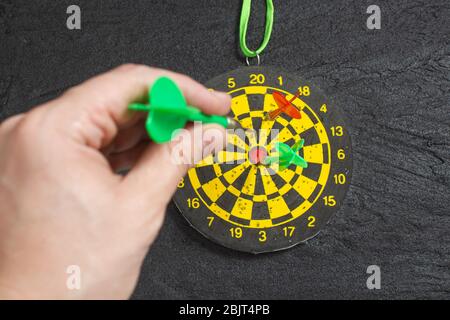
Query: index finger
point(107, 96)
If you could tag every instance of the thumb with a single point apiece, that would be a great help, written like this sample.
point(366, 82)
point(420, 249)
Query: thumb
point(161, 167)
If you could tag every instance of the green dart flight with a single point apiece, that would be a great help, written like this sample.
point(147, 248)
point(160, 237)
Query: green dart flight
point(169, 112)
point(286, 155)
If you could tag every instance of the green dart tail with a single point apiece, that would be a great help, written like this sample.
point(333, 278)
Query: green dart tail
point(168, 112)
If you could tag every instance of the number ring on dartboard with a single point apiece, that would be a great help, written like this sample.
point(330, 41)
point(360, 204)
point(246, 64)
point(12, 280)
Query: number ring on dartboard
point(235, 200)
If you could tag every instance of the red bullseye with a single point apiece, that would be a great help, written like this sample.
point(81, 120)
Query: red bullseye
point(257, 155)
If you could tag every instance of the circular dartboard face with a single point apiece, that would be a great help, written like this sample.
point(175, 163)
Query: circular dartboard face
point(281, 177)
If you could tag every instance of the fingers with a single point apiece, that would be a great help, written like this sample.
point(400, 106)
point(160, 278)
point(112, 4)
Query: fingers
point(161, 167)
point(97, 109)
point(124, 161)
point(127, 138)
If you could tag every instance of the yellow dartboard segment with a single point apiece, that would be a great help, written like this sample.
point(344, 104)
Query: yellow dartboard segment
point(257, 183)
point(241, 192)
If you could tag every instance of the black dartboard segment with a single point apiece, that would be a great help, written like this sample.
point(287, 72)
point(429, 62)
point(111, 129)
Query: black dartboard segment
point(236, 201)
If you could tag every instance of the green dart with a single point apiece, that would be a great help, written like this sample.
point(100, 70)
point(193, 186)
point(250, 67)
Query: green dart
point(287, 155)
point(168, 112)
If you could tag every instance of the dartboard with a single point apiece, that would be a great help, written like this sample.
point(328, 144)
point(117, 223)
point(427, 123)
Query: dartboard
point(239, 201)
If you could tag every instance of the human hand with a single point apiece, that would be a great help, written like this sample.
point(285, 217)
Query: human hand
point(62, 202)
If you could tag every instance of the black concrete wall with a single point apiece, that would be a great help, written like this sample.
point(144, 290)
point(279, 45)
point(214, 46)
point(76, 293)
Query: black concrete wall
point(392, 85)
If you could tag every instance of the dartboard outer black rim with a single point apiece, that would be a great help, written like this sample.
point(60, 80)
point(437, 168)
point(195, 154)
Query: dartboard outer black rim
point(260, 222)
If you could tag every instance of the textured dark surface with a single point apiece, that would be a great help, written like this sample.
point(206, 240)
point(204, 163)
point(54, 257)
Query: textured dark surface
point(392, 84)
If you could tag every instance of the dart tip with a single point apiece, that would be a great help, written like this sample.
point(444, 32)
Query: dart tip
point(233, 124)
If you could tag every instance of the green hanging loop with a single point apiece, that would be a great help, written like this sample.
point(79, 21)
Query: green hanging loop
point(245, 16)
